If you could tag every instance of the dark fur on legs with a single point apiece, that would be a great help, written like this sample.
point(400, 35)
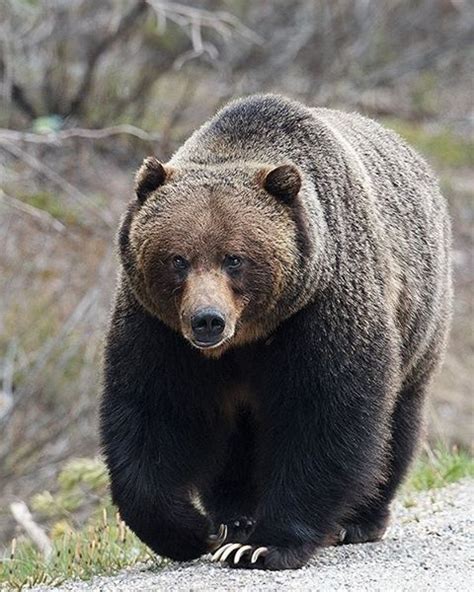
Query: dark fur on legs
point(371, 521)
point(231, 497)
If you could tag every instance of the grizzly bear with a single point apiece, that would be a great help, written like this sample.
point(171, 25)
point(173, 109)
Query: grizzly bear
point(282, 304)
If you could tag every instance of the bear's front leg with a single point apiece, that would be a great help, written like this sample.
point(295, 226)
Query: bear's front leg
point(325, 399)
point(157, 442)
point(151, 478)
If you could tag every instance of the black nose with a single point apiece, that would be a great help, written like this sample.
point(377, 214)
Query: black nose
point(207, 325)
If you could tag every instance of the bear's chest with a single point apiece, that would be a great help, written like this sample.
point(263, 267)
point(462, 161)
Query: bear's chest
point(235, 398)
point(237, 394)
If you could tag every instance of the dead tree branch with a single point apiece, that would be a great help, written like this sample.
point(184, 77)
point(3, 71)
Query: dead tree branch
point(193, 20)
point(23, 516)
point(40, 215)
point(56, 138)
point(81, 198)
point(124, 27)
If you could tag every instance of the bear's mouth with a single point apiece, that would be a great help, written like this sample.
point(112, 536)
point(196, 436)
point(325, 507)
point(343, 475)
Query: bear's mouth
point(207, 344)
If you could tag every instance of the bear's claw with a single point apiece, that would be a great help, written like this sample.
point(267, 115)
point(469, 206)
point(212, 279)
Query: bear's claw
point(342, 535)
point(224, 552)
point(259, 551)
point(243, 549)
point(216, 540)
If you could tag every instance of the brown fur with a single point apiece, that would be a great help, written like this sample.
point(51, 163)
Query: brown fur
point(215, 221)
point(306, 415)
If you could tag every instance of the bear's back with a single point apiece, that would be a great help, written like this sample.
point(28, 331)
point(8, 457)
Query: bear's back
point(403, 193)
point(411, 222)
point(259, 128)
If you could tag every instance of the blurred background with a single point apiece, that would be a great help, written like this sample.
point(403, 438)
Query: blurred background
point(87, 89)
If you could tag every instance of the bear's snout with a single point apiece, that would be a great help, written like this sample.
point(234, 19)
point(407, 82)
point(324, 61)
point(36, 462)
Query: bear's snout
point(208, 311)
point(207, 325)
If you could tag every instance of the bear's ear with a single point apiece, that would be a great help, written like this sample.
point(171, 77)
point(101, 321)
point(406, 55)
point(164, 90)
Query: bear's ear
point(283, 182)
point(151, 175)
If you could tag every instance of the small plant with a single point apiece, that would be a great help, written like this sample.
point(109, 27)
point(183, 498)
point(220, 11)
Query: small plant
point(103, 547)
point(87, 535)
point(82, 486)
point(439, 467)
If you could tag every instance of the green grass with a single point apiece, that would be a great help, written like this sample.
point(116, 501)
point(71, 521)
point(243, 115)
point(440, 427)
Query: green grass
point(100, 544)
point(439, 467)
point(102, 548)
point(443, 148)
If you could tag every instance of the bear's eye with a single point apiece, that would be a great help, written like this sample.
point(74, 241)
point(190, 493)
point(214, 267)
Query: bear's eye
point(180, 263)
point(232, 262)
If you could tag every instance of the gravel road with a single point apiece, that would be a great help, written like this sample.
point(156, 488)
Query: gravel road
point(430, 546)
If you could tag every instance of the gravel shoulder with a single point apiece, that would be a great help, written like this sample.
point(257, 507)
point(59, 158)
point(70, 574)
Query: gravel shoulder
point(430, 546)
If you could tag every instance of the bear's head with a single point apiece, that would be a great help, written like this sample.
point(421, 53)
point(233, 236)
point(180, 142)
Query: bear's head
point(215, 252)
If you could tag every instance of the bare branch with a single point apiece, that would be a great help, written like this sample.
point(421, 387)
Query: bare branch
point(195, 19)
point(81, 198)
point(38, 214)
point(56, 138)
point(124, 27)
point(23, 516)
